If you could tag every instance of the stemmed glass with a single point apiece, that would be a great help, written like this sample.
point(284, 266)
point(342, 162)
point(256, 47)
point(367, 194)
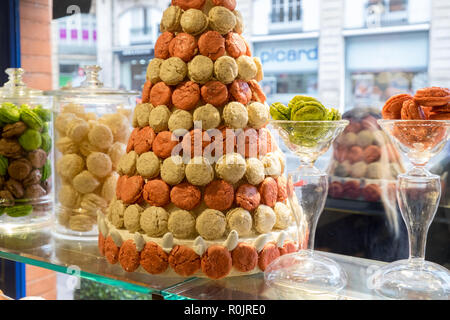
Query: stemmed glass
point(307, 270)
point(418, 195)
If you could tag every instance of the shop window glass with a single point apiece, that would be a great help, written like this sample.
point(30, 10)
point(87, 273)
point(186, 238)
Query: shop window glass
point(374, 88)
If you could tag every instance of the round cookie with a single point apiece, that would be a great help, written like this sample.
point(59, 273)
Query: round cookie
point(248, 197)
point(161, 94)
point(212, 45)
point(268, 254)
point(269, 192)
point(101, 136)
point(146, 90)
point(131, 189)
point(264, 219)
point(129, 256)
point(173, 71)
point(173, 170)
point(241, 92)
point(143, 140)
point(226, 69)
point(162, 46)
point(231, 167)
point(245, 257)
point(199, 171)
point(185, 196)
point(247, 68)
point(77, 129)
point(235, 45)
point(131, 218)
point(99, 164)
point(186, 96)
point(283, 215)
point(189, 4)
point(154, 221)
point(219, 195)
point(254, 171)
point(215, 93)
point(258, 115)
point(288, 247)
point(156, 193)
point(239, 28)
point(211, 224)
point(183, 46)
point(111, 251)
point(153, 70)
point(181, 119)
point(116, 152)
point(235, 115)
point(208, 115)
point(159, 118)
point(257, 92)
point(101, 243)
point(85, 182)
point(69, 165)
point(164, 144)
point(127, 164)
point(240, 220)
point(221, 20)
point(282, 189)
point(171, 19)
point(182, 224)
point(68, 196)
point(184, 261)
point(200, 69)
point(153, 258)
point(216, 262)
point(272, 165)
point(229, 4)
point(147, 165)
point(194, 22)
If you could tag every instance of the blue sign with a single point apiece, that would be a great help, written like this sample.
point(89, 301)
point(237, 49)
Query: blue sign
point(288, 56)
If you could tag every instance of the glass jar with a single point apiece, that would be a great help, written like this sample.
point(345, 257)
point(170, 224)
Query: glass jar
point(26, 158)
point(92, 126)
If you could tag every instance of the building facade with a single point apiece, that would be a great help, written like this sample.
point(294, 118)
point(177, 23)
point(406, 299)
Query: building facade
point(348, 53)
point(128, 31)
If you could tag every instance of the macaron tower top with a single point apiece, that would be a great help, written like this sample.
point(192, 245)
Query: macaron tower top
point(191, 197)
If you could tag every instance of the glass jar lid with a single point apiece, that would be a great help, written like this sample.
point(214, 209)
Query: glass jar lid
point(15, 87)
point(91, 86)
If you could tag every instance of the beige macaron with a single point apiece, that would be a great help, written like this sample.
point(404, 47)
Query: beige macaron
point(182, 224)
point(154, 221)
point(211, 224)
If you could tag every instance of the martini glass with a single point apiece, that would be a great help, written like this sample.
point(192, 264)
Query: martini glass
point(306, 270)
point(418, 195)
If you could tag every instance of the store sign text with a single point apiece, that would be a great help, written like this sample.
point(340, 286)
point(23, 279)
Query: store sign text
point(291, 55)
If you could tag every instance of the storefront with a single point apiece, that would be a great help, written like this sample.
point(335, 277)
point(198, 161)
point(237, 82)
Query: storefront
point(379, 66)
point(290, 66)
point(133, 67)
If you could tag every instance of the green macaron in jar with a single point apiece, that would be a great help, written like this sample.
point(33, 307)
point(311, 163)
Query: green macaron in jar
point(26, 154)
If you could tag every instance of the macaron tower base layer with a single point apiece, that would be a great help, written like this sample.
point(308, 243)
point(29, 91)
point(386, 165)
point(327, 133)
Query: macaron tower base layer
point(196, 215)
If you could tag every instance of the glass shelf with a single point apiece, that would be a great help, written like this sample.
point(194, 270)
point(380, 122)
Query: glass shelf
point(84, 259)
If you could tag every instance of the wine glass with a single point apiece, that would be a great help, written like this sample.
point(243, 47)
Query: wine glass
point(307, 270)
point(418, 195)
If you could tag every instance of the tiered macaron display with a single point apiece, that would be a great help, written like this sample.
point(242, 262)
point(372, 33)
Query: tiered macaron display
point(25, 158)
point(201, 190)
point(427, 104)
point(363, 158)
point(90, 148)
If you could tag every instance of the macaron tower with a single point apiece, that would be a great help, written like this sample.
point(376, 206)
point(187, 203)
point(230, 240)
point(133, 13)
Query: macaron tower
point(201, 190)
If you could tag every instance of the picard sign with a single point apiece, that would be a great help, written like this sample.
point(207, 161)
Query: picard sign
point(288, 56)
